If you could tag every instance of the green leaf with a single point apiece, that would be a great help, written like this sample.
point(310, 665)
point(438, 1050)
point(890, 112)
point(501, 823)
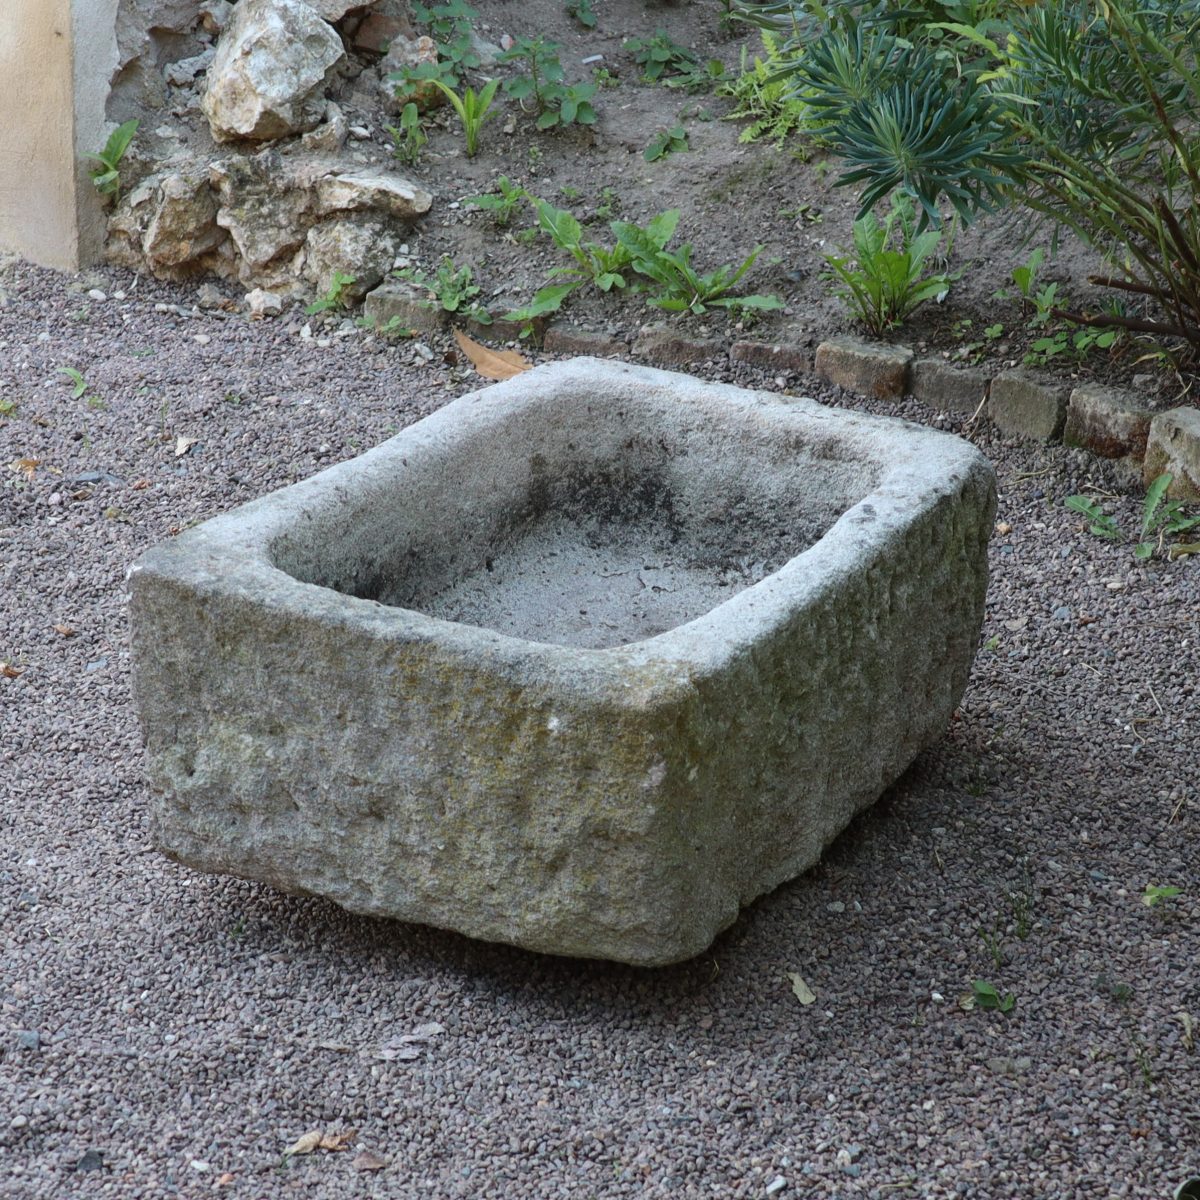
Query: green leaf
point(546, 300)
point(1154, 498)
point(77, 379)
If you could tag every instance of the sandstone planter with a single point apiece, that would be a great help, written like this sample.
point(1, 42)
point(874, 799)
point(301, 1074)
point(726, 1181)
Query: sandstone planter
point(583, 662)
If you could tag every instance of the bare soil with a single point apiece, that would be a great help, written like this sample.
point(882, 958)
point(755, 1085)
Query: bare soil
point(733, 196)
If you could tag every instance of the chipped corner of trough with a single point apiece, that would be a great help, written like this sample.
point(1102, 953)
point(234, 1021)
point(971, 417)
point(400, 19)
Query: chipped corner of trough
point(583, 662)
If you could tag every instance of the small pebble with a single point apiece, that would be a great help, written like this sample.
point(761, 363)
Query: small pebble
point(97, 294)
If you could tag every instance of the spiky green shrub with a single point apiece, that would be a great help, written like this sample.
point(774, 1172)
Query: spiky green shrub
point(1082, 111)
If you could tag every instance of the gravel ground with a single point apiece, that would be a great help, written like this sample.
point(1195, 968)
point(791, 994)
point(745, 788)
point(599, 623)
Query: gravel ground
point(169, 1034)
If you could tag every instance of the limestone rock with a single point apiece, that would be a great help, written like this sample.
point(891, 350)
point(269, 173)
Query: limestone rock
point(167, 224)
point(669, 346)
point(184, 72)
point(150, 35)
point(330, 136)
point(381, 190)
point(1174, 446)
point(335, 10)
point(215, 14)
point(184, 226)
point(566, 339)
point(948, 387)
point(267, 207)
point(262, 303)
point(361, 244)
point(271, 68)
point(406, 304)
point(772, 356)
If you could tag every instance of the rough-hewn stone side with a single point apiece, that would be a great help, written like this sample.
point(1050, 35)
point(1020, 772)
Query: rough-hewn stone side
point(618, 803)
point(1024, 406)
point(1174, 446)
point(868, 368)
point(1109, 423)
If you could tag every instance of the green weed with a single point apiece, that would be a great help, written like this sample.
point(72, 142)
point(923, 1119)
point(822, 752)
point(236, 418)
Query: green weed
point(473, 109)
point(502, 203)
point(408, 138)
point(106, 174)
point(986, 996)
point(885, 278)
point(335, 298)
point(542, 84)
point(666, 141)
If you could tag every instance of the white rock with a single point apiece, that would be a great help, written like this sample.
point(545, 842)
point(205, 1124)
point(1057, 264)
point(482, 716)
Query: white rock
point(271, 67)
point(330, 136)
point(262, 303)
point(383, 191)
point(182, 73)
point(360, 245)
point(335, 10)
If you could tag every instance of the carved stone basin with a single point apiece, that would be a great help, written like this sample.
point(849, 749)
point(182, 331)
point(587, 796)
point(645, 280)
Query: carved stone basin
point(583, 662)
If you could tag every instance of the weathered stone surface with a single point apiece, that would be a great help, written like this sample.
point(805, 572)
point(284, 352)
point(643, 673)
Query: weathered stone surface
point(378, 189)
point(330, 136)
point(565, 339)
point(405, 302)
point(167, 224)
point(1109, 423)
point(335, 10)
point(266, 205)
point(184, 225)
point(269, 75)
point(868, 368)
point(1024, 406)
point(359, 244)
point(410, 52)
point(377, 685)
point(1174, 445)
point(667, 346)
point(768, 356)
point(948, 387)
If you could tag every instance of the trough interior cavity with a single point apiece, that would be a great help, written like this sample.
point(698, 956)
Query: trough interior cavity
point(588, 536)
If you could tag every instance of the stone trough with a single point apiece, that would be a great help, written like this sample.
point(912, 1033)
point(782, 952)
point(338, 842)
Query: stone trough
point(583, 662)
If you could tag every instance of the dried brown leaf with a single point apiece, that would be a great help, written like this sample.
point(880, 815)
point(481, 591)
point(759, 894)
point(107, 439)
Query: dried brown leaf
point(306, 1143)
point(366, 1161)
point(338, 1141)
point(64, 630)
point(492, 364)
point(26, 465)
point(8, 671)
